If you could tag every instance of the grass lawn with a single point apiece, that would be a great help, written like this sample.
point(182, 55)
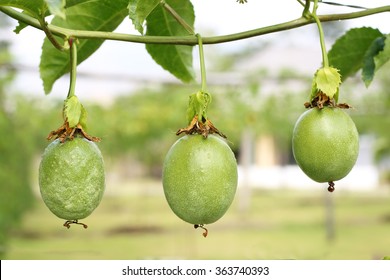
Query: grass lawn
point(137, 223)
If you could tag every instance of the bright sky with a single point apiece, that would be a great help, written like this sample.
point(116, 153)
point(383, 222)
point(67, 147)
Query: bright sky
point(212, 17)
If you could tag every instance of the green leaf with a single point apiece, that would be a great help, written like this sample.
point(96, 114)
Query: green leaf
point(327, 80)
point(140, 10)
point(21, 25)
point(387, 258)
point(56, 7)
point(348, 51)
point(384, 55)
point(103, 15)
point(174, 58)
point(33, 7)
point(72, 111)
point(369, 67)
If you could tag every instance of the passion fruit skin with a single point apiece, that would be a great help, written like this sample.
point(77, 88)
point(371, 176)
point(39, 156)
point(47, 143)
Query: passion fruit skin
point(325, 144)
point(200, 178)
point(71, 178)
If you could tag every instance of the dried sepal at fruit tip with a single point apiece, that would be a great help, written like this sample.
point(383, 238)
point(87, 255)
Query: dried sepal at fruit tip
point(198, 122)
point(65, 132)
point(322, 100)
point(202, 128)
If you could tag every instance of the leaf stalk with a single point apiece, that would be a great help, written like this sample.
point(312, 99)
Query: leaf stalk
point(178, 18)
point(306, 9)
point(50, 35)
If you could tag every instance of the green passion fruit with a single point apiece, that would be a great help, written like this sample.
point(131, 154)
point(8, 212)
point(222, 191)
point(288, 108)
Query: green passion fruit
point(71, 178)
point(325, 144)
point(200, 178)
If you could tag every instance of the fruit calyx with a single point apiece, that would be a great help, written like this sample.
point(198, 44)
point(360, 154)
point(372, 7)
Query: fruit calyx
point(198, 122)
point(65, 132)
point(322, 100)
point(75, 117)
point(69, 222)
point(205, 233)
point(203, 128)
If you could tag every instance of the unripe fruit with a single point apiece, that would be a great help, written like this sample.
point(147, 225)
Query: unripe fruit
point(325, 144)
point(71, 178)
point(200, 178)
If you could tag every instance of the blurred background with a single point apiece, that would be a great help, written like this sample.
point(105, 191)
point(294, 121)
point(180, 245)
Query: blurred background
point(258, 88)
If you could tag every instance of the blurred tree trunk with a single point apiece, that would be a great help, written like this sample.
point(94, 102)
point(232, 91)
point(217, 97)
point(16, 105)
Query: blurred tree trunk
point(329, 217)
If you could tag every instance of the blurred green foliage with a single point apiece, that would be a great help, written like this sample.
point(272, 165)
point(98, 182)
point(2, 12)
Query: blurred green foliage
point(15, 156)
point(371, 112)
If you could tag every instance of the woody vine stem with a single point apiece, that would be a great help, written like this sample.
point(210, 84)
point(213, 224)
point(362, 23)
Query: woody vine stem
point(191, 39)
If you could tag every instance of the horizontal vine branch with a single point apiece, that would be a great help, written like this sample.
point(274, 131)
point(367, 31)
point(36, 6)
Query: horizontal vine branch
point(187, 40)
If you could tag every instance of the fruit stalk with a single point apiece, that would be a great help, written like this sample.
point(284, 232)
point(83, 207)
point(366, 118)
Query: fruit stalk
point(198, 123)
point(327, 80)
point(74, 113)
point(325, 60)
point(202, 63)
point(73, 67)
